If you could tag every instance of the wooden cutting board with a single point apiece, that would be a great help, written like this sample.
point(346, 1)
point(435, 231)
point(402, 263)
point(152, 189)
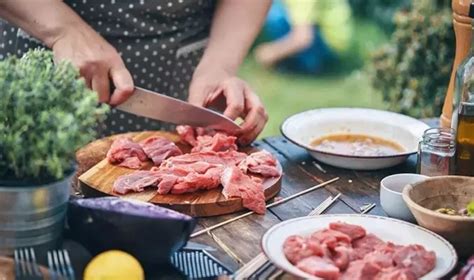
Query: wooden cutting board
point(97, 176)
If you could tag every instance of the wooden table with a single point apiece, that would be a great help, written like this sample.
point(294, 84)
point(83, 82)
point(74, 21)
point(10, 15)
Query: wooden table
point(239, 242)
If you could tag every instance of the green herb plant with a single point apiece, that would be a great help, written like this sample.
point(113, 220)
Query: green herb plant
point(46, 113)
point(412, 72)
point(470, 209)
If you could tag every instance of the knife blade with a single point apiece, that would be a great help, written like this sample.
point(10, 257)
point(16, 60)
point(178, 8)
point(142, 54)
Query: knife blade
point(157, 106)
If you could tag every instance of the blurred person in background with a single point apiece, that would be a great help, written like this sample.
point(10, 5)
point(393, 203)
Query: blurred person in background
point(188, 49)
point(305, 35)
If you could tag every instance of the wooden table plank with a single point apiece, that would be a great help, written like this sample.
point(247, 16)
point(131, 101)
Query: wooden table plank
point(357, 188)
point(296, 180)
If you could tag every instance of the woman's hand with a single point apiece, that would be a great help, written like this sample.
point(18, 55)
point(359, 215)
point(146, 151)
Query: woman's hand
point(208, 85)
point(98, 62)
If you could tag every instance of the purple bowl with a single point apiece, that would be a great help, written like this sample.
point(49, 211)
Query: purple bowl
point(149, 232)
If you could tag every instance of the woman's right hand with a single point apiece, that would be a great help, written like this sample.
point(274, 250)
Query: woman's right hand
point(98, 62)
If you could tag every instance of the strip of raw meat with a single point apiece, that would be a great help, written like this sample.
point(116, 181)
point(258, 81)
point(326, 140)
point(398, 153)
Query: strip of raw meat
point(136, 181)
point(319, 267)
point(159, 149)
point(167, 183)
point(126, 153)
point(228, 158)
point(353, 231)
point(262, 163)
point(195, 181)
point(366, 244)
point(217, 143)
point(415, 258)
point(361, 270)
point(237, 184)
point(395, 274)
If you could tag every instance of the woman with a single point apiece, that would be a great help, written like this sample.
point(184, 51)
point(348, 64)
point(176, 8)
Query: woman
point(154, 44)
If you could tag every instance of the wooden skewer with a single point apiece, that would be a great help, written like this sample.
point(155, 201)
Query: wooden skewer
point(268, 206)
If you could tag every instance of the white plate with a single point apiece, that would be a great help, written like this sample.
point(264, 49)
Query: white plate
point(304, 127)
point(387, 229)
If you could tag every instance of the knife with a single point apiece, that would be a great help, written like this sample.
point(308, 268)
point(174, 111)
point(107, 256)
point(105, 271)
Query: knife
point(157, 106)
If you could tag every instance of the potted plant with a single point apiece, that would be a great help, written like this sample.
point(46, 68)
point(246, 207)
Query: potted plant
point(46, 113)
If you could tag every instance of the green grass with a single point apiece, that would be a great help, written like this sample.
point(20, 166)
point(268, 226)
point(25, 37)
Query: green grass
point(344, 86)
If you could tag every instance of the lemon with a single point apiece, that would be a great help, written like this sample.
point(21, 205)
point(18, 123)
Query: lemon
point(114, 265)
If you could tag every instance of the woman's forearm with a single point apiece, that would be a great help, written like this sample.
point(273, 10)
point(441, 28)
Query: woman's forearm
point(46, 20)
point(235, 25)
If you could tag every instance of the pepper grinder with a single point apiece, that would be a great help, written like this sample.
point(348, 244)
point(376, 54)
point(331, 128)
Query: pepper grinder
point(463, 14)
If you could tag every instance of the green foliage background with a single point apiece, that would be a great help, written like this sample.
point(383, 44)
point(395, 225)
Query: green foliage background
point(413, 70)
point(46, 113)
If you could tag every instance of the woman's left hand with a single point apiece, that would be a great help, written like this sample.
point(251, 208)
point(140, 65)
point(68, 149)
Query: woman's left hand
point(240, 101)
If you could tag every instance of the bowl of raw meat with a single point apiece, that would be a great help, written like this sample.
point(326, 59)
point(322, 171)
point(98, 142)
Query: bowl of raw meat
point(445, 205)
point(149, 232)
point(351, 246)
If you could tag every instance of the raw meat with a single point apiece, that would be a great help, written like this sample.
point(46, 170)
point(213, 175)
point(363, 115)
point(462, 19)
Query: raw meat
point(159, 149)
point(126, 153)
point(237, 184)
point(366, 244)
point(228, 158)
point(213, 161)
point(217, 143)
point(136, 181)
point(189, 134)
point(395, 274)
point(186, 133)
point(296, 248)
point(415, 258)
point(319, 267)
point(361, 270)
point(331, 238)
point(353, 231)
point(328, 251)
point(262, 163)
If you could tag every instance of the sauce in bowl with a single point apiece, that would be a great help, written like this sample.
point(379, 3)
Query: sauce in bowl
point(356, 145)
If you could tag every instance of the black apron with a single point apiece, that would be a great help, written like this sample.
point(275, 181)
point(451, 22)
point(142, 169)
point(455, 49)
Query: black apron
point(160, 42)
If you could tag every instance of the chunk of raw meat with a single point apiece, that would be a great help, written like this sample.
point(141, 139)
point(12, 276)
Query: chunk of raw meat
point(217, 143)
point(342, 255)
point(262, 163)
point(353, 231)
point(136, 181)
point(380, 258)
point(361, 270)
point(366, 244)
point(126, 153)
point(159, 149)
point(393, 273)
point(167, 183)
point(319, 267)
point(415, 258)
point(189, 134)
point(186, 133)
point(296, 248)
point(237, 184)
point(331, 238)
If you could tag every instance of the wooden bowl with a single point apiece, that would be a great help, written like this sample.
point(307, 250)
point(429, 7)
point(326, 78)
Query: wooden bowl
point(445, 191)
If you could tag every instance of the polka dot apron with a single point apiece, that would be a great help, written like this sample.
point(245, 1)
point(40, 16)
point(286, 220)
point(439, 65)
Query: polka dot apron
point(160, 41)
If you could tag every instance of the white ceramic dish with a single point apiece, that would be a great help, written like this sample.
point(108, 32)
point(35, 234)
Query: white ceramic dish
point(387, 229)
point(391, 199)
point(304, 127)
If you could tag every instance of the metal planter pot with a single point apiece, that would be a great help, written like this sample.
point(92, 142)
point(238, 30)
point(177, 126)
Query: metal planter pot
point(32, 216)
